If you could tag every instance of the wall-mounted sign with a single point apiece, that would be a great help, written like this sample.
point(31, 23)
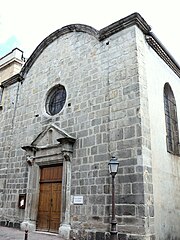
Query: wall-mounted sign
point(78, 200)
point(22, 201)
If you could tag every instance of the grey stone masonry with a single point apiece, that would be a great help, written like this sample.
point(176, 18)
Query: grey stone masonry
point(105, 114)
point(102, 111)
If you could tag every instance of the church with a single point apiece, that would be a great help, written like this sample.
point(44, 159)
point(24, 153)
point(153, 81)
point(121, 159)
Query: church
point(83, 98)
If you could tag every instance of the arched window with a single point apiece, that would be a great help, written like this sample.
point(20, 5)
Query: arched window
point(172, 132)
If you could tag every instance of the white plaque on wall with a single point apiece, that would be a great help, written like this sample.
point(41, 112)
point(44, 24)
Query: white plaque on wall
point(78, 200)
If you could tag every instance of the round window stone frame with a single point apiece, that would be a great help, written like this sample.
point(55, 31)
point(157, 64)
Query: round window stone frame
point(55, 100)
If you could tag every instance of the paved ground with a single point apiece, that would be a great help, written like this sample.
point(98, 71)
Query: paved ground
point(7, 233)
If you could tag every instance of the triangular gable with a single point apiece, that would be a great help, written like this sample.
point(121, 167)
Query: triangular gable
point(49, 136)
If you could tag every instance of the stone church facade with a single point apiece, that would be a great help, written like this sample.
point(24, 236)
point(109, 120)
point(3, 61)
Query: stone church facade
point(82, 97)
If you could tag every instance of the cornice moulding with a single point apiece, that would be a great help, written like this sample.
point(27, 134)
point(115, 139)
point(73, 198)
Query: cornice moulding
point(14, 79)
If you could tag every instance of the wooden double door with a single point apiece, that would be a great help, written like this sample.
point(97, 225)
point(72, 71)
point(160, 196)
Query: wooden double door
point(49, 210)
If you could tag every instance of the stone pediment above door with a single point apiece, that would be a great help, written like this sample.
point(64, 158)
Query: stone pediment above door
point(50, 136)
point(52, 143)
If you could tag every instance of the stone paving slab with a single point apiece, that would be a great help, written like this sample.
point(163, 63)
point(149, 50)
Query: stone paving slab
point(7, 233)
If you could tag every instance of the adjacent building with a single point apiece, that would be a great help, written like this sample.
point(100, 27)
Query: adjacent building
point(82, 97)
point(11, 64)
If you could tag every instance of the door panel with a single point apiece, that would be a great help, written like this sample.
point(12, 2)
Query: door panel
point(55, 206)
point(44, 206)
point(51, 173)
point(49, 211)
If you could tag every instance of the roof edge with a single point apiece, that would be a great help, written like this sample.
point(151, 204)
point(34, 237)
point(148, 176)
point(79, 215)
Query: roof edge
point(163, 53)
point(133, 19)
point(9, 53)
point(53, 36)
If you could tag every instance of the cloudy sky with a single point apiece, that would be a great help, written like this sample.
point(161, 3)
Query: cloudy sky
point(25, 23)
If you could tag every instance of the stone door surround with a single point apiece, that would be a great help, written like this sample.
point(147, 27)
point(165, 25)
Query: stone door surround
point(51, 147)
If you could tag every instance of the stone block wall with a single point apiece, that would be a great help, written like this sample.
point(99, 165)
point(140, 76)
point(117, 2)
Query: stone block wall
point(113, 80)
point(13, 168)
point(104, 112)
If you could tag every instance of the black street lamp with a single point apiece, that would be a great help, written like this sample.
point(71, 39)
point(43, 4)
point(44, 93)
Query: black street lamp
point(113, 168)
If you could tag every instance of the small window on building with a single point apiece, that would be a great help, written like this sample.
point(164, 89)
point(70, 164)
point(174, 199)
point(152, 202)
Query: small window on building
point(172, 132)
point(55, 100)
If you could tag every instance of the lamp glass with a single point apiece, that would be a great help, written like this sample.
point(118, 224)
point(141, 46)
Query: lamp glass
point(113, 165)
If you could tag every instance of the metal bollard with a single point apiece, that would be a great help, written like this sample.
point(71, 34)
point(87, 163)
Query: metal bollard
point(26, 235)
